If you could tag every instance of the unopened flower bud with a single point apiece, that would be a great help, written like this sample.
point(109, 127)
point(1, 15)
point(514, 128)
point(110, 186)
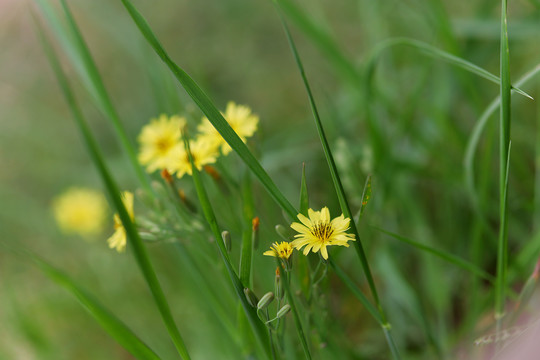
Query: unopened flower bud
point(226, 236)
point(265, 300)
point(282, 231)
point(283, 311)
point(251, 297)
point(255, 232)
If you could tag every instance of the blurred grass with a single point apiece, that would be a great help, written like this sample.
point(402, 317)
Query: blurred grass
point(424, 112)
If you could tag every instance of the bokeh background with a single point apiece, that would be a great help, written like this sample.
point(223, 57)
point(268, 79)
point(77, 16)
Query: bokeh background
point(408, 128)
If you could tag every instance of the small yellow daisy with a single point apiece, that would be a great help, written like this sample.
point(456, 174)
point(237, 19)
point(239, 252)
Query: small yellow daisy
point(281, 250)
point(318, 232)
point(118, 239)
point(240, 118)
point(202, 151)
point(158, 139)
point(80, 211)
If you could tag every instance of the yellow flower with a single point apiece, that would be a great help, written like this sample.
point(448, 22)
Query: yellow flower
point(318, 232)
point(118, 239)
point(80, 211)
point(202, 151)
point(158, 139)
point(281, 250)
point(240, 118)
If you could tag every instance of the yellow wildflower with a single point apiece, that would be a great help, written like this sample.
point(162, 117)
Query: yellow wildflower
point(318, 232)
point(202, 151)
point(80, 211)
point(158, 139)
point(118, 239)
point(281, 250)
point(240, 118)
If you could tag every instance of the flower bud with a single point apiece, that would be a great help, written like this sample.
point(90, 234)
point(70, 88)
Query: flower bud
point(282, 231)
point(251, 297)
point(283, 311)
point(226, 236)
point(265, 300)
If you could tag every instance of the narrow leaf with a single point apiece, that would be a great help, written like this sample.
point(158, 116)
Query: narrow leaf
point(304, 196)
point(366, 196)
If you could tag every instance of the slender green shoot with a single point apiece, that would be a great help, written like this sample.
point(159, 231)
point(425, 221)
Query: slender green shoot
point(246, 254)
point(504, 160)
point(141, 256)
point(304, 196)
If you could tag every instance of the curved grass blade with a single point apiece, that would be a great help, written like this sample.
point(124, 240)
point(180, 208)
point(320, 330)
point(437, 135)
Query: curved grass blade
point(211, 112)
point(108, 321)
point(432, 51)
point(366, 196)
point(94, 80)
point(135, 241)
point(337, 181)
point(472, 144)
point(257, 326)
point(443, 255)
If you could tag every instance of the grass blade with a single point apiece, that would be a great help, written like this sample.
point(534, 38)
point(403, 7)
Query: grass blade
point(336, 179)
point(257, 326)
point(211, 112)
point(135, 241)
point(453, 259)
point(434, 52)
point(102, 96)
point(110, 323)
point(366, 196)
point(504, 160)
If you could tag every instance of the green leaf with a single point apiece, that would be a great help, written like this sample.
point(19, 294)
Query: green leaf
point(247, 240)
point(366, 196)
point(139, 251)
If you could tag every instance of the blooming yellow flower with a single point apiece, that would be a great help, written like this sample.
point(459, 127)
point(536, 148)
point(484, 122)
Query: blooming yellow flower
point(158, 139)
point(281, 250)
point(240, 118)
point(203, 153)
point(318, 232)
point(80, 211)
point(118, 239)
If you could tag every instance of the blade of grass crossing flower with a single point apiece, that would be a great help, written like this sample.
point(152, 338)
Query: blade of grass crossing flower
point(257, 326)
point(504, 158)
point(103, 97)
point(336, 179)
point(304, 196)
point(329, 158)
point(211, 112)
point(135, 241)
point(294, 310)
point(110, 323)
point(438, 54)
point(442, 254)
point(247, 239)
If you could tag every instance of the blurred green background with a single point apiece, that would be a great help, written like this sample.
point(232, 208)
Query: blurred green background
point(408, 128)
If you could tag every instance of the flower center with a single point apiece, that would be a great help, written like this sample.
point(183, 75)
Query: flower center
point(163, 145)
point(322, 230)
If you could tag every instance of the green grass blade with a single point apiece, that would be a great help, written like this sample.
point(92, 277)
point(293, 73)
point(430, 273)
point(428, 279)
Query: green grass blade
point(434, 52)
point(474, 139)
point(257, 326)
point(103, 97)
point(504, 159)
point(304, 196)
point(246, 262)
point(453, 259)
point(335, 177)
point(211, 112)
point(108, 321)
point(135, 241)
